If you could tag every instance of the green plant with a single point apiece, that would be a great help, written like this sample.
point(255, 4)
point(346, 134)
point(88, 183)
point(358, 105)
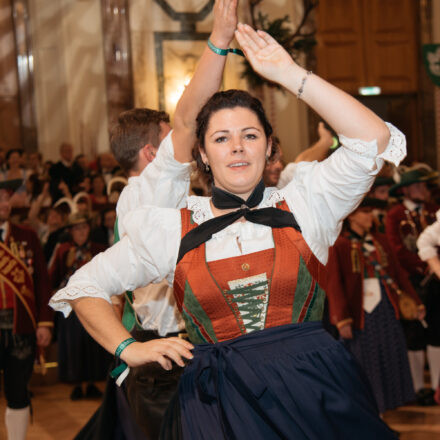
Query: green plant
point(296, 41)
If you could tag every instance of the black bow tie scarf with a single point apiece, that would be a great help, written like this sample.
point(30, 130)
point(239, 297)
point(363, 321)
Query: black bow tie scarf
point(273, 217)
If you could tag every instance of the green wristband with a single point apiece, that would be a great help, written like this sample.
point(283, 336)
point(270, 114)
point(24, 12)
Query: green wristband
point(123, 345)
point(224, 52)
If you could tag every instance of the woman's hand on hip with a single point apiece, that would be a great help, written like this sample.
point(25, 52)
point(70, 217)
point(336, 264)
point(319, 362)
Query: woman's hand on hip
point(162, 351)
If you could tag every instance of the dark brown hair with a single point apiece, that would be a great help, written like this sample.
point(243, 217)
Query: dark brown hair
point(12, 151)
point(228, 99)
point(135, 129)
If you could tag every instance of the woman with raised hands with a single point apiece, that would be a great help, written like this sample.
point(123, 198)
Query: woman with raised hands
point(248, 267)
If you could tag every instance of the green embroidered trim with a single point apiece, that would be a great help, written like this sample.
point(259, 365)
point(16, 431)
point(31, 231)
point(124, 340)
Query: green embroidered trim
point(302, 289)
point(193, 306)
point(194, 333)
point(228, 302)
point(316, 306)
point(251, 308)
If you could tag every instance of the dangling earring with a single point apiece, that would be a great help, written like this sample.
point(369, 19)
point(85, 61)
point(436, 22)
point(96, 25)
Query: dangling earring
point(207, 167)
point(267, 159)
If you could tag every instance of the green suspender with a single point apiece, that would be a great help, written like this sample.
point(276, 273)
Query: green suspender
point(129, 319)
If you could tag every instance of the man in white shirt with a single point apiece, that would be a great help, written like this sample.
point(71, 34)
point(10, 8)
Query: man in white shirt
point(155, 177)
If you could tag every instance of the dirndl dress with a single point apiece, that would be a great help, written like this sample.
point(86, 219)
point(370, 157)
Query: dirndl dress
point(263, 366)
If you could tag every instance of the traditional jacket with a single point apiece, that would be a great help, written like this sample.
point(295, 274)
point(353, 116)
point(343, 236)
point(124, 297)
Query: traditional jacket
point(403, 227)
point(68, 258)
point(346, 269)
point(24, 280)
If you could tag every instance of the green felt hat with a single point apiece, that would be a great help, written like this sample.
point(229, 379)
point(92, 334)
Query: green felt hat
point(383, 180)
point(372, 202)
point(413, 176)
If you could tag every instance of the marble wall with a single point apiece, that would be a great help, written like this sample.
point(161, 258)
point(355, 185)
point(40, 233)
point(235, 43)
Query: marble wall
point(69, 76)
point(10, 130)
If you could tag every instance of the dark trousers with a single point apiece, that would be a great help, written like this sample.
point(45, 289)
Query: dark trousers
point(149, 389)
point(417, 337)
point(17, 354)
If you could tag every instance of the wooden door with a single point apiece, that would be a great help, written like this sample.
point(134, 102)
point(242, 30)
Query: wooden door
point(368, 43)
point(340, 58)
point(391, 49)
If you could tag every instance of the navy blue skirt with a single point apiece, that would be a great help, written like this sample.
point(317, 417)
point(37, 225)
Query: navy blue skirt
point(289, 382)
point(381, 350)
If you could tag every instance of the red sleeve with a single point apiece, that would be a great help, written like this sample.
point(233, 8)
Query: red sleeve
point(42, 288)
point(337, 301)
point(410, 261)
point(57, 266)
point(399, 274)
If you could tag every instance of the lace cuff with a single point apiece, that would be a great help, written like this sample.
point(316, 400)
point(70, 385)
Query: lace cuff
point(60, 301)
point(395, 151)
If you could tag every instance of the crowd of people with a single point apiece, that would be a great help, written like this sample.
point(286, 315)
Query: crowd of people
point(304, 295)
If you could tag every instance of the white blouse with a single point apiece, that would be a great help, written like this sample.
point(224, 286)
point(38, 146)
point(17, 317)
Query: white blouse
point(163, 183)
point(429, 240)
point(320, 195)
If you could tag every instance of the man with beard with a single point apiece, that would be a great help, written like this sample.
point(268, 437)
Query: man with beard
point(380, 191)
point(25, 317)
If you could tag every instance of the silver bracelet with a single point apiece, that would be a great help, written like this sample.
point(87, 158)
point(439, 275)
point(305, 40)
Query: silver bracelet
point(303, 81)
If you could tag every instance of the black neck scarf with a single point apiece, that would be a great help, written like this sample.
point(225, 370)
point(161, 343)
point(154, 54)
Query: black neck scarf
point(273, 217)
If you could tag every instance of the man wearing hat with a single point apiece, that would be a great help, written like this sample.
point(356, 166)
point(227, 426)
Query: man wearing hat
point(404, 223)
point(25, 318)
point(366, 291)
point(80, 358)
point(380, 190)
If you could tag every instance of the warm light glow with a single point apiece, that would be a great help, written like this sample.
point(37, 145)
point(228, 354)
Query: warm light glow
point(179, 61)
point(177, 87)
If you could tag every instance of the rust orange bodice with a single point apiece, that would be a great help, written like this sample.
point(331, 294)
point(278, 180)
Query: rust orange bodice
point(223, 299)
